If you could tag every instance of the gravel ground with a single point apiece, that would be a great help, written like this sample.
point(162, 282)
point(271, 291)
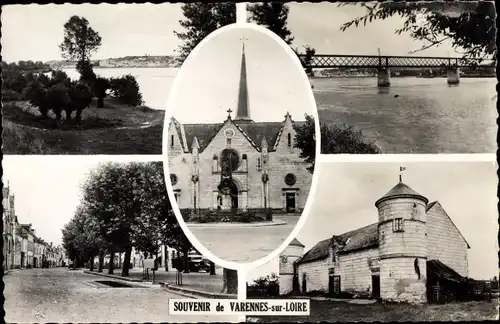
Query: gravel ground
point(60, 295)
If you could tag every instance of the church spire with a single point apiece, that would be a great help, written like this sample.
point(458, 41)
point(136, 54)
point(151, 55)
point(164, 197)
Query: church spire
point(243, 111)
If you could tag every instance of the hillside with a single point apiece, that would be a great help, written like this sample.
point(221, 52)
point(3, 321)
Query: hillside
point(161, 61)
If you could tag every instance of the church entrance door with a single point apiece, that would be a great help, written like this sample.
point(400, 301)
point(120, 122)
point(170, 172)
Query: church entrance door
point(290, 202)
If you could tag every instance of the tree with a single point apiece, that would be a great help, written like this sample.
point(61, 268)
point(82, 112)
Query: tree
point(100, 87)
point(273, 16)
point(81, 97)
point(80, 41)
point(200, 20)
point(309, 51)
point(470, 26)
point(59, 100)
point(230, 278)
point(36, 93)
point(126, 89)
point(334, 140)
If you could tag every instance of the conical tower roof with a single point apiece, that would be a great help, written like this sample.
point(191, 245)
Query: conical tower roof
point(243, 109)
point(296, 242)
point(401, 190)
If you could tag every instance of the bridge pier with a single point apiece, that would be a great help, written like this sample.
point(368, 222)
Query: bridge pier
point(453, 75)
point(384, 77)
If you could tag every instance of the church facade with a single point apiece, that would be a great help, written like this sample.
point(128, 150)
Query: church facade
point(238, 164)
point(412, 249)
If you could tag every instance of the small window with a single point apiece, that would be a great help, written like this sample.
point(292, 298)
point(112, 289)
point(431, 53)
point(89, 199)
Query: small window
point(289, 140)
point(398, 225)
point(334, 257)
point(172, 141)
point(228, 142)
point(259, 166)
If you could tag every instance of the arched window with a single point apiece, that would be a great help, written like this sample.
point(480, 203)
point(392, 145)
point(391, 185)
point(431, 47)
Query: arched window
point(289, 140)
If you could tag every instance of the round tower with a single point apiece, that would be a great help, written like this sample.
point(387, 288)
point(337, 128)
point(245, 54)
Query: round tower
point(287, 259)
point(402, 245)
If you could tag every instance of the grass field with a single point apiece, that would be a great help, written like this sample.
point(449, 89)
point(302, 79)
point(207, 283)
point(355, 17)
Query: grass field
point(329, 311)
point(114, 129)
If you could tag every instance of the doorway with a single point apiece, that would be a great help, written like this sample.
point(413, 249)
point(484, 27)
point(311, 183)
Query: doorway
point(376, 286)
point(334, 285)
point(290, 202)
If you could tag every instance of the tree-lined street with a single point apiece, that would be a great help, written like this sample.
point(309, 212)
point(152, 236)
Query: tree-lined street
point(60, 295)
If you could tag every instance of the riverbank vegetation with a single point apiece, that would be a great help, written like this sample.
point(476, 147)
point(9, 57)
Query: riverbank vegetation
point(53, 114)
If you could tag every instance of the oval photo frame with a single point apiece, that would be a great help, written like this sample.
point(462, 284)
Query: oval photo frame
point(200, 247)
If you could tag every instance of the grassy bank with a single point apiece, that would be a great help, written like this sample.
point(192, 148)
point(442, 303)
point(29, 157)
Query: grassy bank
point(114, 129)
point(328, 311)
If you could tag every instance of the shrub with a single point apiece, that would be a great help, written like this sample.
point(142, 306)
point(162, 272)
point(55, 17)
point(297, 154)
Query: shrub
point(265, 286)
point(10, 95)
point(59, 100)
point(100, 87)
point(87, 74)
point(81, 97)
point(36, 93)
point(344, 139)
point(126, 89)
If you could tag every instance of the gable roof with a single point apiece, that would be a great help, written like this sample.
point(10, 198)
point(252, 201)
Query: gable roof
point(361, 238)
point(296, 242)
point(253, 131)
point(436, 203)
point(401, 190)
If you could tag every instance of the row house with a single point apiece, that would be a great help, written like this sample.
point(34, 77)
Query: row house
point(22, 248)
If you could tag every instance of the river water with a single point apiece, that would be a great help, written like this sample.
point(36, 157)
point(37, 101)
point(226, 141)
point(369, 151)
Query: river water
point(419, 115)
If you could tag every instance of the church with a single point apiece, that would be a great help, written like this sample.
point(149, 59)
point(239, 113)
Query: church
point(238, 164)
point(412, 252)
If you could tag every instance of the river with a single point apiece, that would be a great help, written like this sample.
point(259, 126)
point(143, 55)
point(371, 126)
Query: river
point(420, 115)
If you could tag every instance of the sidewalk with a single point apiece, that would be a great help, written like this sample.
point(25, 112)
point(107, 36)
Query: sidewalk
point(193, 283)
point(239, 225)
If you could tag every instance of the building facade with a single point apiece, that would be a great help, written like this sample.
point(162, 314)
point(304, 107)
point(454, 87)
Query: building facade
point(388, 259)
point(238, 164)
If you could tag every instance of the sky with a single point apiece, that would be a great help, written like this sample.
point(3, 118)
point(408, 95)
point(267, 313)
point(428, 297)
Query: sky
point(346, 195)
point(47, 189)
point(208, 81)
point(138, 29)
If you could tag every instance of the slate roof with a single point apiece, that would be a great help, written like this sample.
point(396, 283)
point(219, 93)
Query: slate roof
point(255, 132)
point(401, 191)
point(296, 242)
point(361, 238)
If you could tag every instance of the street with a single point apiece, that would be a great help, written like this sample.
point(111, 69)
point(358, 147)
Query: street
point(247, 244)
point(60, 295)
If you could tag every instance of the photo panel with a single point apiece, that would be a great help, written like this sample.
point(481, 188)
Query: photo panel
point(93, 239)
point(240, 143)
point(390, 241)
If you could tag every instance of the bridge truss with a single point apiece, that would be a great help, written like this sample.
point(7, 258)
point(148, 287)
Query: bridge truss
point(375, 61)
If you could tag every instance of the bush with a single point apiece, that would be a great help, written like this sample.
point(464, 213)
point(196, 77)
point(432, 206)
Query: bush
point(11, 95)
point(126, 89)
point(344, 139)
point(81, 97)
point(59, 100)
point(265, 286)
point(36, 93)
point(100, 87)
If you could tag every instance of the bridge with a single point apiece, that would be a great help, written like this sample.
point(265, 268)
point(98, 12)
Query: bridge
point(384, 63)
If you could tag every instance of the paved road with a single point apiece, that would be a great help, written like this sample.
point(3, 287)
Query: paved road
point(62, 296)
point(245, 244)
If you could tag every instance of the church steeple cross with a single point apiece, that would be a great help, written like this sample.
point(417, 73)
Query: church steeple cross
point(229, 111)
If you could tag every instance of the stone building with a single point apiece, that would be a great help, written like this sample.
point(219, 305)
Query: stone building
point(413, 246)
point(9, 232)
point(238, 164)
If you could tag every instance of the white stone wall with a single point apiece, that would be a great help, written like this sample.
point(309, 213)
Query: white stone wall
point(286, 267)
point(316, 275)
point(354, 270)
point(444, 241)
point(398, 250)
point(399, 281)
